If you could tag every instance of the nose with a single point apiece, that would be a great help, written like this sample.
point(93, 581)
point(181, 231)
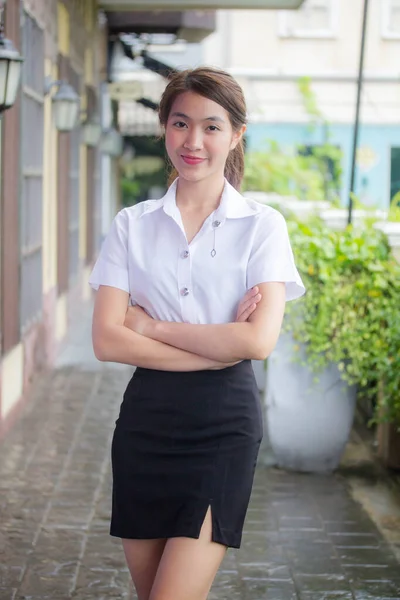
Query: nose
point(194, 139)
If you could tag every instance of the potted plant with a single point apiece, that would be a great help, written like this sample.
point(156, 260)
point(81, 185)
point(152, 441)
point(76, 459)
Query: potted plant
point(341, 338)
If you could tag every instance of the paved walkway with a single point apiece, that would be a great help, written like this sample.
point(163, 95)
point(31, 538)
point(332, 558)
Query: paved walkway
point(305, 537)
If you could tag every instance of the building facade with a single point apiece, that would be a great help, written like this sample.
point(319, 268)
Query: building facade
point(268, 51)
point(51, 201)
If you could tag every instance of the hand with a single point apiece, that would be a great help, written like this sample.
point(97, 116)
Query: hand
point(248, 305)
point(138, 320)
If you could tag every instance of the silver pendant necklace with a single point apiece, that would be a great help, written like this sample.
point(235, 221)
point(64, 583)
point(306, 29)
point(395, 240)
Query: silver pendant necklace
point(215, 225)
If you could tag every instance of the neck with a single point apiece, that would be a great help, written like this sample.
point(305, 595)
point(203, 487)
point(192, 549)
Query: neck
point(200, 195)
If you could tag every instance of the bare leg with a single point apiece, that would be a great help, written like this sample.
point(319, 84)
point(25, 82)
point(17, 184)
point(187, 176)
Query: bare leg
point(188, 566)
point(143, 558)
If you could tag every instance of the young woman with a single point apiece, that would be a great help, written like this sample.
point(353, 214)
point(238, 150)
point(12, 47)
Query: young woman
point(208, 272)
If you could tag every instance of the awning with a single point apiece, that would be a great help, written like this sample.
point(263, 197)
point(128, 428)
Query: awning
point(190, 25)
point(117, 5)
point(136, 118)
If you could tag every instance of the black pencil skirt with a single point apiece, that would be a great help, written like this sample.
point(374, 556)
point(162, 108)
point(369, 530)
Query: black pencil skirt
point(185, 442)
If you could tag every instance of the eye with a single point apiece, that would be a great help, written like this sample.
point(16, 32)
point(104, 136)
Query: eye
point(180, 124)
point(213, 128)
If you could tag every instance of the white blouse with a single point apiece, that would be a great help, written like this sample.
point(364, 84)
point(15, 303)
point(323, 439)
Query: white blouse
point(241, 244)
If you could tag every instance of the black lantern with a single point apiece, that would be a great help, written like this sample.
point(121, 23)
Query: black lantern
point(10, 69)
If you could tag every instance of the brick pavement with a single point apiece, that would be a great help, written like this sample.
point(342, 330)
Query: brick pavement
point(305, 537)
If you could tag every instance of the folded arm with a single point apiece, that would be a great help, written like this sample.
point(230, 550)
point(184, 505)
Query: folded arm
point(113, 342)
point(253, 339)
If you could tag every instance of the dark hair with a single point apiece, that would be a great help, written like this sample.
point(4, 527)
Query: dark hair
point(221, 87)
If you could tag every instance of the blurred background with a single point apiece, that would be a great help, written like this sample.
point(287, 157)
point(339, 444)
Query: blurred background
point(299, 71)
point(80, 83)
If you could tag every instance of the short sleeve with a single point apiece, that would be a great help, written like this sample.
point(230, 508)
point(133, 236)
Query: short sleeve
point(111, 267)
point(272, 258)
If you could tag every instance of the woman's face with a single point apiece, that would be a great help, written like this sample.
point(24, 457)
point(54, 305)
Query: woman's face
point(199, 137)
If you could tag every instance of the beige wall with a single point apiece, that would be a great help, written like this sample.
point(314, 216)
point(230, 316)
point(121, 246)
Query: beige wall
point(49, 191)
point(249, 44)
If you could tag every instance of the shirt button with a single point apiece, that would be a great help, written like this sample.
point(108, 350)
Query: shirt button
point(184, 254)
point(184, 291)
point(216, 223)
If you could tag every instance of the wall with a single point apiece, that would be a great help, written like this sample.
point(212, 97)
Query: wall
point(251, 45)
point(372, 180)
point(63, 41)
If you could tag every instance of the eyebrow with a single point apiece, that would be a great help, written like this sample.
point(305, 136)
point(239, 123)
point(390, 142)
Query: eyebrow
point(183, 116)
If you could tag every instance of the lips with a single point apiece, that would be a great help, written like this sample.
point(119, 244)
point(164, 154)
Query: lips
point(192, 160)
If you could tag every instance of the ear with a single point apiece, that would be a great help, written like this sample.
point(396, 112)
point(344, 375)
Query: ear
point(237, 136)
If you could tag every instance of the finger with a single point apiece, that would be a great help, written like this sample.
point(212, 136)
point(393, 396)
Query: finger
point(251, 293)
point(245, 305)
point(246, 314)
point(255, 299)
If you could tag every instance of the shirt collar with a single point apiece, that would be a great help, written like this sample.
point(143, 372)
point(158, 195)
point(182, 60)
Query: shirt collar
point(232, 206)
point(235, 206)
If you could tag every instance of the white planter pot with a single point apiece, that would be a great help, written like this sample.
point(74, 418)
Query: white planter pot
point(303, 209)
point(259, 368)
point(336, 218)
point(392, 230)
point(270, 198)
point(308, 421)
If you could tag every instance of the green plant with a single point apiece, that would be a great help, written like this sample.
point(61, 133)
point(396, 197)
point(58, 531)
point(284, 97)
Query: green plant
point(350, 313)
point(273, 170)
point(327, 156)
point(130, 190)
point(310, 101)
point(310, 172)
point(142, 168)
point(327, 160)
point(394, 209)
point(139, 176)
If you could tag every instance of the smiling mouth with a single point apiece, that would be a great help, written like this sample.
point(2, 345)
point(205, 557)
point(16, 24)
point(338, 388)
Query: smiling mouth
point(192, 160)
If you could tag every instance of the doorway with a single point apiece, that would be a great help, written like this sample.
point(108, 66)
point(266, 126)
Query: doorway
point(395, 173)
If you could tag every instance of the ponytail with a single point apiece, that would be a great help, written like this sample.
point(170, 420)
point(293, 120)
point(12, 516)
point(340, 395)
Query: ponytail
point(172, 175)
point(234, 166)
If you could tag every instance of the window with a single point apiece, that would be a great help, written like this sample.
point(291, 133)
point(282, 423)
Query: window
point(391, 19)
point(394, 172)
point(74, 188)
point(315, 19)
point(31, 198)
point(327, 160)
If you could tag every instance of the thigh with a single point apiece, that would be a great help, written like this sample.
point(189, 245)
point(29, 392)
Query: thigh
point(188, 566)
point(143, 558)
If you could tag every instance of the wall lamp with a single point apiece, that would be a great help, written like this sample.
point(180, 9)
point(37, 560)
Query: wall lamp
point(66, 104)
point(112, 142)
point(10, 68)
point(91, 130)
